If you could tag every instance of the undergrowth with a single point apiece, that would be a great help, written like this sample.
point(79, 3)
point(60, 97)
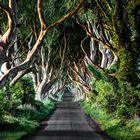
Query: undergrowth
point(20, 113)
point(116, 127)
point(25, 121)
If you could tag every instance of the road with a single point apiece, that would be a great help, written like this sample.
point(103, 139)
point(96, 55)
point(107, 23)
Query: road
point(68, 122)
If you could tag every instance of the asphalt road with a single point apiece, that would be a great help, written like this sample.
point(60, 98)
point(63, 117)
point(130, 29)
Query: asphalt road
point(68, 122)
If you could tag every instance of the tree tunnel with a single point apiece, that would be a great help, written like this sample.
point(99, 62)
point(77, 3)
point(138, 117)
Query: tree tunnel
point(59, 50)
point(87, 47)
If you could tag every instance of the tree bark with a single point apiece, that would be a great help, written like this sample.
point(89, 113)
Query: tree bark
point(31, 56)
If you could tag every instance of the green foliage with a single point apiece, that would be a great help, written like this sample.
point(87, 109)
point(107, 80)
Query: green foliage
point(19, 111)
point(24, 91)
point(115, 97)
point(115, 105)
point(106, 96)
point(55, 10)
point(24, 121)
point(125, 71)
point(96, 73)
point(11, 123)
point(116, 127)
point(11, 135)
point(2, 104)
point(27, 17)
point(113, 68)
point(128, 100)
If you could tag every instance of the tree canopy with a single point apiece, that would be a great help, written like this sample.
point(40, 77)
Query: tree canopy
point(91, 46)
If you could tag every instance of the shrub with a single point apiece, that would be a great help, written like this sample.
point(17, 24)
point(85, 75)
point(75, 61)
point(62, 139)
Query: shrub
point(24, 91)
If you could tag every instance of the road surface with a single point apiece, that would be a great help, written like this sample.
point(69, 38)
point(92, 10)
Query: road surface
point(68, 122)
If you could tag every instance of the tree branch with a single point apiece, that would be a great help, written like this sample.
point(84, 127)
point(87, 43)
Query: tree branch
point(20, 75)
point(70, 14)
point(106, 45)
point(41, 15)
point(31, 56)
point(11, 23)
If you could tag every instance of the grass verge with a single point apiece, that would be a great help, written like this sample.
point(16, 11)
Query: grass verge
point(25, 121)
point(117, 128)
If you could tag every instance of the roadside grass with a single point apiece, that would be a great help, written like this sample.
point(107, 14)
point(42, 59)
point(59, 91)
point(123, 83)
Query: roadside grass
point(25, 121)
point(116, 128)
point(11, 135)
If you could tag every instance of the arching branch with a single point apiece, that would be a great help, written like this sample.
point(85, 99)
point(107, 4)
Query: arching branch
point(11, 23)
point(90, 34)
point(87, 57)
point(31, 57)
point(70, 14)
point(4, 38)
point(41, 15)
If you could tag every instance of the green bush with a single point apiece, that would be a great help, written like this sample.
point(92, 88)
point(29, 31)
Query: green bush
point(24, 91)
point(128, 100)
point(5, 104)
point(20, 113)
point(25, 120)
point(116, 127)
point(21, 93)
point(119, 98)
point(115, 105)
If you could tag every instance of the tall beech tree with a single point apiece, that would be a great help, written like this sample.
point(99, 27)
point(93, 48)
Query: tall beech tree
point(103, 34)
point(32, 54)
